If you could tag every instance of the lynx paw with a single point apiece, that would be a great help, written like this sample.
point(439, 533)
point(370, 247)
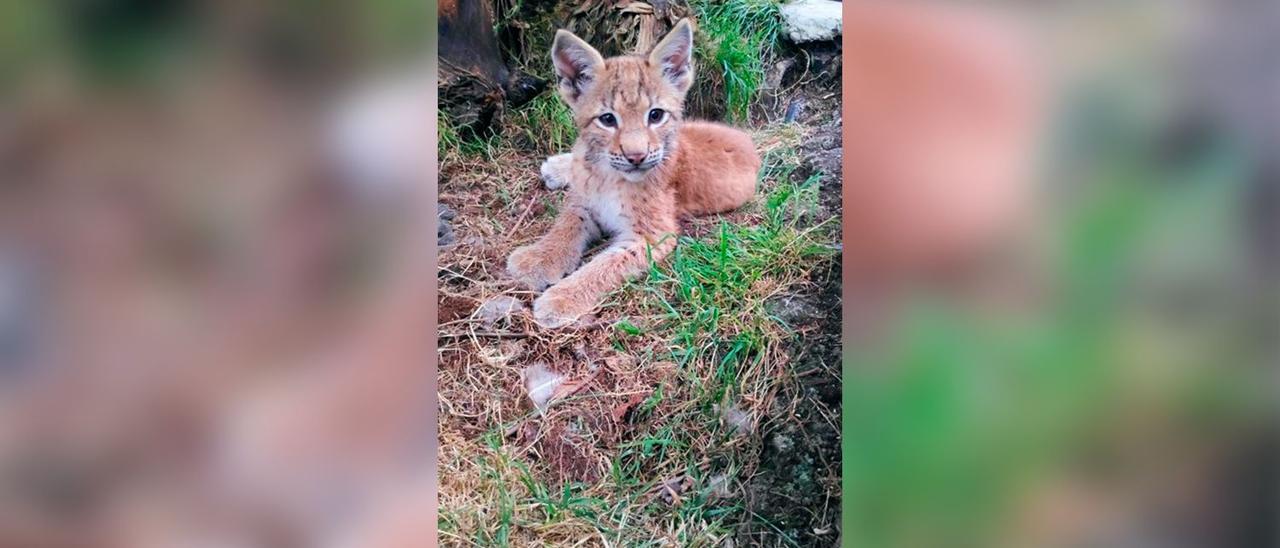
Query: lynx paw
point(555, 171)
point(538, 268)
point(559, 308)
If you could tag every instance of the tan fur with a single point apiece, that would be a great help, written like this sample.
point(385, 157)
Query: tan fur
point(629, 180)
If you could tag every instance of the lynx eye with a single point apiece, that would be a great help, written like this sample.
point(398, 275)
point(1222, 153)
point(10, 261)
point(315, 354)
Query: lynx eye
point(608, 120)
point(657, 115)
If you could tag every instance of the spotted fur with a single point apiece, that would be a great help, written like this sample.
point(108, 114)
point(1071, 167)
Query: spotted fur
point(636, 167)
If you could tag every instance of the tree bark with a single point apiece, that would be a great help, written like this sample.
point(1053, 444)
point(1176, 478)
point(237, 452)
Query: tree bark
point(476, 83)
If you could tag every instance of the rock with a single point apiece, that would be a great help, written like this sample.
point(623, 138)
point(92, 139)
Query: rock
point(773, 80)
point(812, 20)
point(824, 152)
point(795, 310)
point(497, 309)
point(444, 233)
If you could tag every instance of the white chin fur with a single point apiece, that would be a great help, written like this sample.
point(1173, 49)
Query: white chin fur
point(634, 176)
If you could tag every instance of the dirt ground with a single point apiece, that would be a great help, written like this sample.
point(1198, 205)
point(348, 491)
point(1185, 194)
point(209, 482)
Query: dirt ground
point(797, 486)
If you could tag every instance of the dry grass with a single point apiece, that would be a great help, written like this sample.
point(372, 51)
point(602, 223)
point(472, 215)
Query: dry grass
point(653, 445)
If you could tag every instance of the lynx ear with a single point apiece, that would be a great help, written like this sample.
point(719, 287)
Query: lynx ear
point(577, 65)
point(673, 56)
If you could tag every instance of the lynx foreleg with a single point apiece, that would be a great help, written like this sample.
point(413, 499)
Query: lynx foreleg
point(557, 253)
point(582, 291)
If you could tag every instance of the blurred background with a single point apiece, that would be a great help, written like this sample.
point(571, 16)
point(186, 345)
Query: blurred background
point(215, 296)
point(1089, 359)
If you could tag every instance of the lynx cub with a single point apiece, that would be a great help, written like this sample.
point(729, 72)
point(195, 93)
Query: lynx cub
point(637, 166)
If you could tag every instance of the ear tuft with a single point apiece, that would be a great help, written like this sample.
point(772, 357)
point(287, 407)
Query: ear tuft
point(577, 65)
point(673, 56)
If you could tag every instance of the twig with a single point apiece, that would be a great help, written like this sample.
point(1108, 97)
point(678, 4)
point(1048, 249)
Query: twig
point(494, 334)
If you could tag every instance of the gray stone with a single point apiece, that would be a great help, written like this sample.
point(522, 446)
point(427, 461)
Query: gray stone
point(795, 310)
point(444, 232)
point(812, 20)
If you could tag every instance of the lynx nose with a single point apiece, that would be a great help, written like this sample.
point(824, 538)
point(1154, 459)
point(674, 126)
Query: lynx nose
point(636, 158)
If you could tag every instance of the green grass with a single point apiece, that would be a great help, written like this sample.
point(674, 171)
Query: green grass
point(705, 310)
point(736, 40)
point(449, 141)
point(707, 292)
point(546, 123)
point(709, 306)
point(454, 145)
point(742, 37)
point(544, 127)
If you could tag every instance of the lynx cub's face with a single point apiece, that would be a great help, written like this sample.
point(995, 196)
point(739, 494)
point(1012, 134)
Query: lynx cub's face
point(628, 108)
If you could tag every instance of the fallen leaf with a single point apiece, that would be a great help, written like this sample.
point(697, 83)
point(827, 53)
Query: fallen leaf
point(571, 387)
point(621, 410)
point(670, 490)
point(619, 361)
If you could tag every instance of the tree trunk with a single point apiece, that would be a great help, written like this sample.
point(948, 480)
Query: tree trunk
point(475, 82)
